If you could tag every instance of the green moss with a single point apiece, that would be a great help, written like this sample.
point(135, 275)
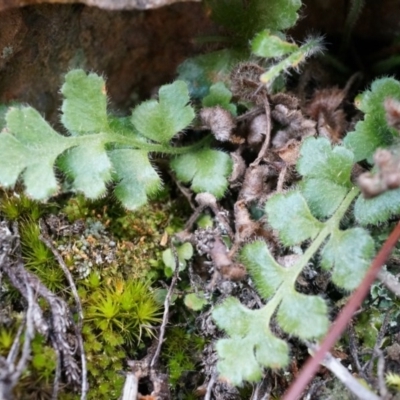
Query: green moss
point(15, 206)
point(181, 354)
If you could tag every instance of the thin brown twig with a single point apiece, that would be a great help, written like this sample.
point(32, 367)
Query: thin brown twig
point(167, 303)
point(381, 334)
point(265, 145)
point(354, 352)
point(312, 364)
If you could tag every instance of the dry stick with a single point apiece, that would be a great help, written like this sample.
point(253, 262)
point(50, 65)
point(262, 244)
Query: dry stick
point(28, 336)
point(131, 387)
point(337, 328)
point(390, 281)
point(348, 379)
point(210, 386)
point(281, 179)
point(78, 327)
point(381, 334)
point(166, 308)
point(353, 352)
point(267, 139)
point(250, 114)
point(57, 377)
point(383, 390)
point(13, 353)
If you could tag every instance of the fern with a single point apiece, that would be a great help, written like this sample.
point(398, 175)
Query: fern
point(313, 211)
point(101, 149)
point(326, 191)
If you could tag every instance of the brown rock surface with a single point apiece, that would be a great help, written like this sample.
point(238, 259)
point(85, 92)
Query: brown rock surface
point(135, 50)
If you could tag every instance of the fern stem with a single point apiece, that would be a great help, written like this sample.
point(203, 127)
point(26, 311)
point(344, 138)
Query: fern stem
point(295, 271)
point(331, 225)
point(131, 141)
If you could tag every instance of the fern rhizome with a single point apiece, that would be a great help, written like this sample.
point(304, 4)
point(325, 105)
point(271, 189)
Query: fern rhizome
point(284, 189)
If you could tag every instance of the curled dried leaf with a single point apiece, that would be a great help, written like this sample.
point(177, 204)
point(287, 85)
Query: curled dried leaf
point(239, 168)
point(392, 108)
point(290, 151)
point(206, 200)
point(257, 130)
point(388, 176)
point(245, 226)
point(255, 182)
point(294, 125)
point(220, 121)
point(324, 108)
point(289, 101)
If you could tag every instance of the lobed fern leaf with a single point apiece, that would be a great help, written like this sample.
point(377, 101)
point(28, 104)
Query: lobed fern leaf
point(294, 217)
point(101, 149)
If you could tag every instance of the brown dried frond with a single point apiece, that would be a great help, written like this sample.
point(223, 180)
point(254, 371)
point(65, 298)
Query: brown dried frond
point(255, 184)
point(294, 125)
point(245, 82)
point(392, 108)
point(388, 176)
point(257, 130)
point(239, 168)
point(325, 108)
point(288, 100)
point(220, 121)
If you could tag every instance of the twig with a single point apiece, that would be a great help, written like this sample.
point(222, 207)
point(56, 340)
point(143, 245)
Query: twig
point(390, 281)
point(381, 375)
point(57, 377)
point(28, 336)
point(281, 179)
point(13, 354)
point(250, 114)
point(167, 302)
point(131, 387)
point(210, 386)
point(353, 351)
point(267, 139)
point(381, 334)
point(348, 379)
point(312, 364)
point(44, 237)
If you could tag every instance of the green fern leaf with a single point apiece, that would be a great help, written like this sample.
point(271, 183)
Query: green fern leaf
point(219, 95)
point(30, 147)
point(303, 315)
point(85, 103)
point(349, 254)
point(207, 169)
point(378, 209)
point(252, 345)
point(88, 167)
point(161, 120)
point(136, 176)
point(266, 273)
point(373, 132)
point(290, 216)
point(326, 173)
